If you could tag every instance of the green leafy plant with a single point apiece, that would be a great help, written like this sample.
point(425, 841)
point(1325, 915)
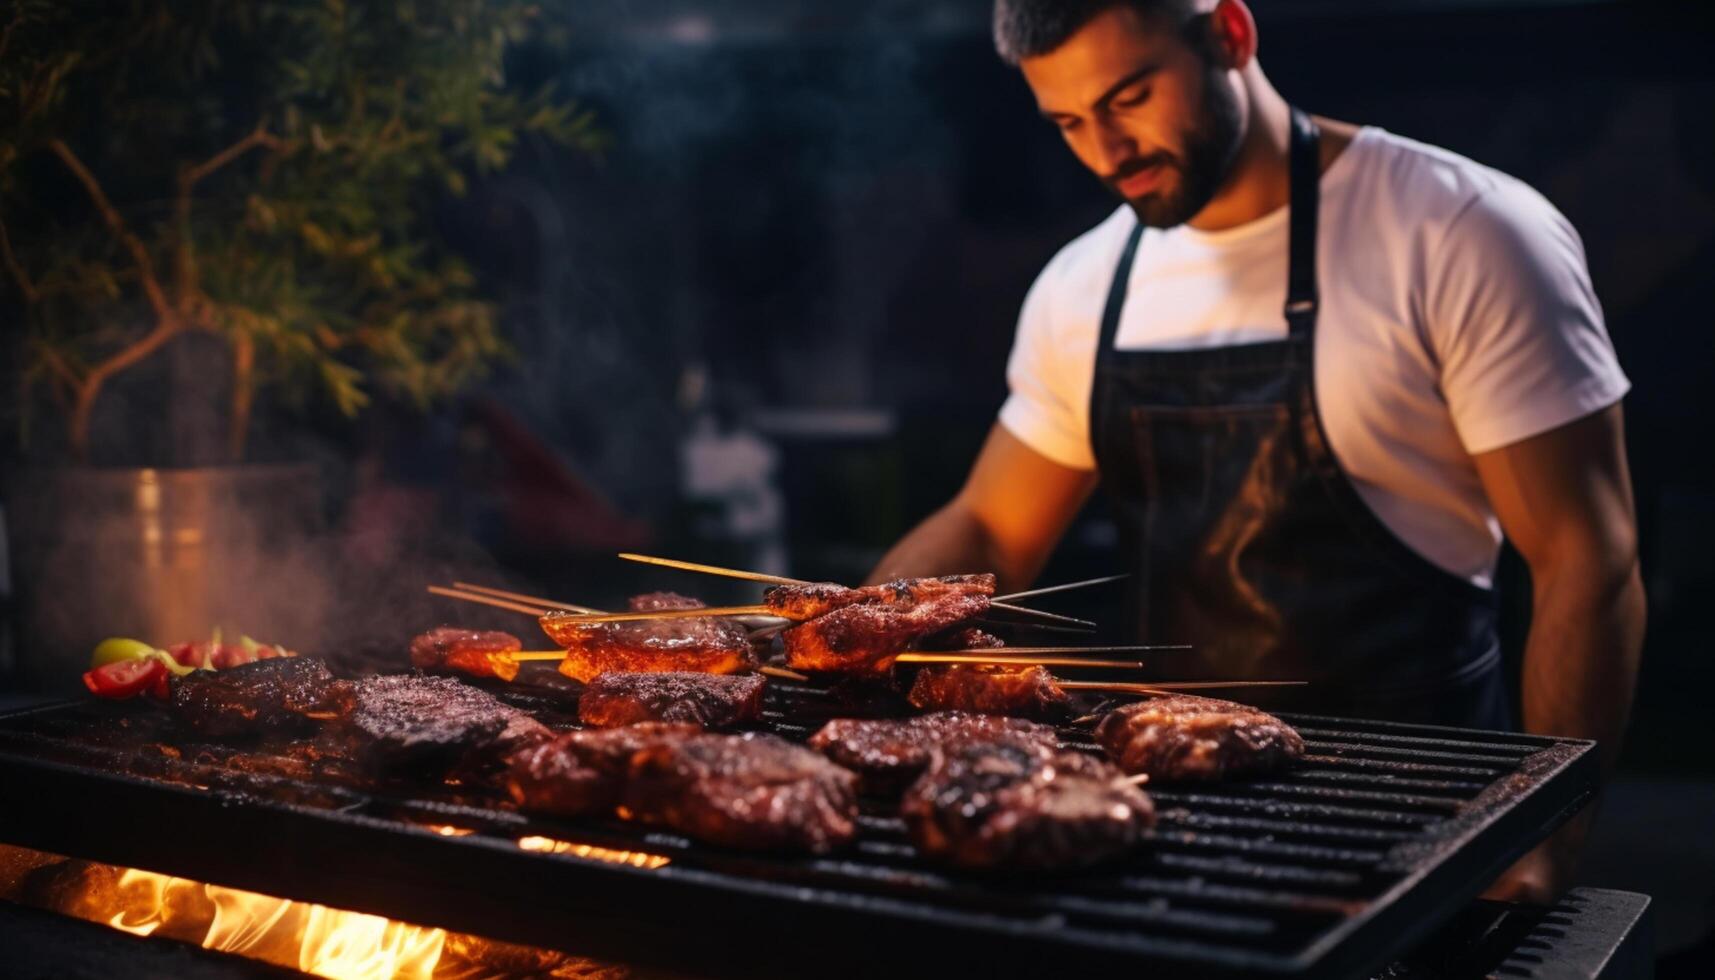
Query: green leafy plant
point(262, 171)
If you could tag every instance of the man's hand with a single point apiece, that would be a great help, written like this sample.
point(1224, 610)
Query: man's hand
point(1564, 498)
point(1541, 876)
point(1006, 519)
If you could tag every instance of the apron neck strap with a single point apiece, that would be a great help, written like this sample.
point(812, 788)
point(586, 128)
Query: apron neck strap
point(1304, 160)
point(1306, 177)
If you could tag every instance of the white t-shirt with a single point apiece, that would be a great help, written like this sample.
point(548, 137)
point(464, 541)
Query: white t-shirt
point(1456, 317)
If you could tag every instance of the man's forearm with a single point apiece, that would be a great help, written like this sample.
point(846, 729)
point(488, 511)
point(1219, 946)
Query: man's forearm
point(950, 541)
point(1581, 658)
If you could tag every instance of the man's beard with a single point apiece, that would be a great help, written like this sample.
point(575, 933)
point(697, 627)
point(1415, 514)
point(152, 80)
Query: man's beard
point(1209, 151)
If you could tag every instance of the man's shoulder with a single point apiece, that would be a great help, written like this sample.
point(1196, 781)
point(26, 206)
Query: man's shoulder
point(1442, 193)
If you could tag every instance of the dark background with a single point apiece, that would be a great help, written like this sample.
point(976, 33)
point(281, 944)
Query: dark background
point(801, 260)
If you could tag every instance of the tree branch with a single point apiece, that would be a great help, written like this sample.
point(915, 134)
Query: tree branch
point(60, 367)
point(139, 252)
point(184, 259)
point(27, 287)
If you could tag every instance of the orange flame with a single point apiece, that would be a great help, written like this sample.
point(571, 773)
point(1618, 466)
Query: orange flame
point(313, 938)
point(637, 859)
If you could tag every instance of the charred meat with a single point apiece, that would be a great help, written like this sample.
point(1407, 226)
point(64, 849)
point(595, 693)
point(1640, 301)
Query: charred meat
point(1181, 737)
point(706, 646)
point(582, 772)
point(751, 791)
point(888, 753)
point(259, 697)
point(865, 638)
point(990, 689)
point(413, 720)
point(802, 602)
point(709, 700)
point(476, 653)
point(988, 805)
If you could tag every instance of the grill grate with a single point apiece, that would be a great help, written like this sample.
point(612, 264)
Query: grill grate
point(1332, 868)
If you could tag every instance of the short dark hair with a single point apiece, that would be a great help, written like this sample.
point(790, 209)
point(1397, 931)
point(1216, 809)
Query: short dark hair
point(1027, 28)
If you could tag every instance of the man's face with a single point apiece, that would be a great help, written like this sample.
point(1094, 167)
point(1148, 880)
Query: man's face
point(1144, 109)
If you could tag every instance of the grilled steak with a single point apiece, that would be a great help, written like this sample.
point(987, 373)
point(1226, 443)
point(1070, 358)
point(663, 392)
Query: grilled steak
point(990, 689)
point(707, 646)
point(987, 805)
point(1181, 737)
point(582, 772)
point(262, 696)
point(750, 791)
point(478, 653)
point(888, 753)
point(801, 602)
point(864, 638)
point(709, 700)
point(413, 720)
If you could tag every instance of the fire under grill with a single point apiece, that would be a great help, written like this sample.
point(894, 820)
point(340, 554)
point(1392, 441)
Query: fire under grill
point(1334, 868)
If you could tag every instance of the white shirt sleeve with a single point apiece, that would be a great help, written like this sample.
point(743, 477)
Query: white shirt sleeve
point(1043, 408)
point(1515, 323)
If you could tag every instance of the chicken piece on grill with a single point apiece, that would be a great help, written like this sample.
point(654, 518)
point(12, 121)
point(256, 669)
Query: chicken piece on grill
point(259, 697)
point(706, 646)
point(582, 772)
point(751, 791)
point(477, 653)
point(1181, 737)
point(989, 805)
point(865, 638)
point(1023, 691)
point(888, 753)
point(411, 720)
point(709, 700)
point(801, 602)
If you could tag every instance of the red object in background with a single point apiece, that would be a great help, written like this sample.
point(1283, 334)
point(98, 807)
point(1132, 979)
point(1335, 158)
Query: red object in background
point(127, 679)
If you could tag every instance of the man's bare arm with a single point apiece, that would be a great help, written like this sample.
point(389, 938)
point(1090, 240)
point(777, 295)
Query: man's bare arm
point(1006, 519)
point(1564, 498)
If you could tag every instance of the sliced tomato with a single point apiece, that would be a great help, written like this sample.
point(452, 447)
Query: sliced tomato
point(125, 679)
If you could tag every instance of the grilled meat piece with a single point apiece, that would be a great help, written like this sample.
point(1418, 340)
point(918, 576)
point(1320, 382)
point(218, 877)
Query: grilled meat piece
point(414, 720)
point(751, 791)
point(706, 646)
point(801, 602)
point(964, 638)
point(888, 753)
point(1181, 737)
point(990, 689)
point(988, 805)
point(865, 638)
point(477, 653)
point(709, 700)
point(583, 772)
point(262, 696)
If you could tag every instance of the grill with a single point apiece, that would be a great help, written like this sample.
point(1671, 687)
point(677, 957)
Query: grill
point(1334, 868)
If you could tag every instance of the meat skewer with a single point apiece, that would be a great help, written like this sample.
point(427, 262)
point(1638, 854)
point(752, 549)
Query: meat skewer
point(703, 644)
point(991, 689)
point(583, 772)
point(781, 580)
point(707, 700)
point(477, 653)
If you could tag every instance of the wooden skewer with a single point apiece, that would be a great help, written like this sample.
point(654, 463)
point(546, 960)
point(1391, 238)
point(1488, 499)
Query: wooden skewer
point(698, 613)
point(488, 600)
point(1067, 587)
point(1165, 686)
point(518, 597)
point(1085, 720)
point(966, 658)
point(1123, 648)
point(1137, 780)
point(691, 566)
point(790, 675)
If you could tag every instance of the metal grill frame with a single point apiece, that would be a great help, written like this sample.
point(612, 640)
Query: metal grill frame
point(722, 912)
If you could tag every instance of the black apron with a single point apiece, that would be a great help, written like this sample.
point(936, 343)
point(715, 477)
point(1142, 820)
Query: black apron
point(1248, 540)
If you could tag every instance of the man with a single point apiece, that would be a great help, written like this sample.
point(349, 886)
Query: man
point(1319, 369)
